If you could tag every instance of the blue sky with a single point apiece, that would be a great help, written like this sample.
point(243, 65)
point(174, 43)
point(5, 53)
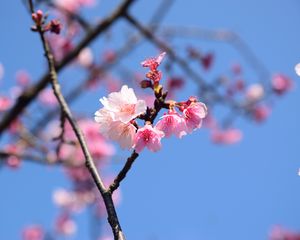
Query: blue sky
point(191, 189)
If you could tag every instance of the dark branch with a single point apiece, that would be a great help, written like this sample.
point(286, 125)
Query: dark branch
point(123, 172)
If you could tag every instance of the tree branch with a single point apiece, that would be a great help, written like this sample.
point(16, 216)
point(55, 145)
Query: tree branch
point(123, 172)
point(107, 197)
point(29, 95)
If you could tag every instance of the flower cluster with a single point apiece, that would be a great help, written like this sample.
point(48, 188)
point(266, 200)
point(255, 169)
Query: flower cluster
point(121, 110)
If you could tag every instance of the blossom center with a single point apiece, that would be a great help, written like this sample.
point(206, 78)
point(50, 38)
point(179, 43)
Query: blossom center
point(128, 108)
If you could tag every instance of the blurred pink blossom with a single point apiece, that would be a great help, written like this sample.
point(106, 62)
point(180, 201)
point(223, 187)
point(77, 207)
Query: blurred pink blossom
point(5, 103)
point(85, 57)
point(281, 84)
point(34, 232)
point(226, 136)
point(65, 225)
point(255, 92)
point(98, 146)
point(74, 5)
point(47, 97)
point(261, 113)
point(279, 233)
point(23, 78)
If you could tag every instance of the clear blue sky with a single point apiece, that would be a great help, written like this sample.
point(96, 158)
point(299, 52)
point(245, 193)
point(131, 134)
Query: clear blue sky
point(191, 189)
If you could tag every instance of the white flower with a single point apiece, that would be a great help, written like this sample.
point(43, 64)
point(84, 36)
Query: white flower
point(123, 106)
point(255, 92)
point(118, 131)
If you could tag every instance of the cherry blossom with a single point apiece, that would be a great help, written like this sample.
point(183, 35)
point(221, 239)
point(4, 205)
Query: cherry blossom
point(297, 69)
point(172, 123)
point(254, 92)
point(34, 232)
point(123, 105)
point(5, 103)
point(194, 113)
point(149, 137)
point(74, 5)
point(98, 146)
point(47, 97)
point(281, 84)
point(154, 62)
point(123, 133)
point(279, 233)
point(85, 57)
point(260, 113)
point(226, 136)
point(65, 225)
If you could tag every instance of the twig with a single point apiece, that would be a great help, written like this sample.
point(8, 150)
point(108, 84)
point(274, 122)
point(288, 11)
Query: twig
point(123, 172)
point(107, 197)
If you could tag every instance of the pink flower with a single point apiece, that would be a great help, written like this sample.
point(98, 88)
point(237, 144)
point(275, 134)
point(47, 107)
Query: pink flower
point(34, 232)
point(98, 146)
point(149, 137)
point(193, 114)
point(255, 92)
point(123, 106)
point(207, 60)
point(123, 133)
point(23, 78)
point(47, 97)
point(65, 225)
point(281, 84)
point(154, 62)
point(227, 136)
point(74, 5)
point(172, 123)
point(5, 103)
point(260, 113)
point(85, 57)
point(279, 233)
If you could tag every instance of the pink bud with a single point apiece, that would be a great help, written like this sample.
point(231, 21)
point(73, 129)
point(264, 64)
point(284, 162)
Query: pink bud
point(5, 103)
point(281, 84)
point(34, 232)
point(227, 136)
point(153, 63)
point(37, 17)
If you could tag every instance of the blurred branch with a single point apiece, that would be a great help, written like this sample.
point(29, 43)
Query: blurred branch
point(225, 36)
point(163, 46)
point(28, 95)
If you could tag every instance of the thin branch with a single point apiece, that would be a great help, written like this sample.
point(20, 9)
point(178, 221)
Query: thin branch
point(107, 197)
point(122, 174)
point(29, 95)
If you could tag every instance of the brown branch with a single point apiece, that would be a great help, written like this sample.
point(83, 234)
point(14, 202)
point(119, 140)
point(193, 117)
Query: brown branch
point(29, 95)
point(107, 197)
point(122, 174)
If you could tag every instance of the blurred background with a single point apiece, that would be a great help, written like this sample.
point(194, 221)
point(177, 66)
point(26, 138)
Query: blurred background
point(192, 188)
